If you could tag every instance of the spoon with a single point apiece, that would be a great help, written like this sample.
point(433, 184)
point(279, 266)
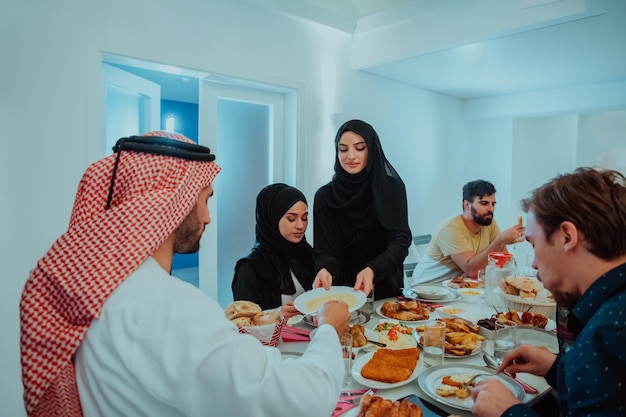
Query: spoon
point(493, 364)
point(294, 320)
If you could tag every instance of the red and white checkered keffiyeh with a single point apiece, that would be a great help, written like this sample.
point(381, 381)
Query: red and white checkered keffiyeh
point(101, 248)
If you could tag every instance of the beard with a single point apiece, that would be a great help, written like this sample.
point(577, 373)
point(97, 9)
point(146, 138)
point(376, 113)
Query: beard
point(188, 235)
point(481, 220)
point(566, 299)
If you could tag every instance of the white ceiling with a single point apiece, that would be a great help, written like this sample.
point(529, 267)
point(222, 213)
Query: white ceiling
point(463, 48)
point(477, 48)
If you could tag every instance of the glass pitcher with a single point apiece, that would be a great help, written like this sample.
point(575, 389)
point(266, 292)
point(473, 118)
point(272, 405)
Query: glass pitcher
point(500, 266)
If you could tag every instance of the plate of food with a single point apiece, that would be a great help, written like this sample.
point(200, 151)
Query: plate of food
point(358, 317)
point(361, 337)
point(463, 338)
point(395, 335)
point(387, 368)
point(311, 301)
point(444, 384)
point(411, 311)
point(461, 282)
point(450, 296)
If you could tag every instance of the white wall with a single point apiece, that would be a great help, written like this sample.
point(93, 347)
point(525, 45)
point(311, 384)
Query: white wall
point(51, 117)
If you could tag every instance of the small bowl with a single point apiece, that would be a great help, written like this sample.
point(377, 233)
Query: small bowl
point(431, 292)
point(470, 295)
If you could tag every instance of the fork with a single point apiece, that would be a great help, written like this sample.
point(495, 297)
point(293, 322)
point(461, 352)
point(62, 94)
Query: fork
point(466, 385)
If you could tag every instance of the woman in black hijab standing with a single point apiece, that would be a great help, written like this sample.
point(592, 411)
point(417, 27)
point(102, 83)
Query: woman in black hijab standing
point(361, 228)
point(280, 265)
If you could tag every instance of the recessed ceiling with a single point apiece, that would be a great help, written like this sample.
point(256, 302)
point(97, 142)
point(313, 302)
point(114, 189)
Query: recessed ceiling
point(478, 48)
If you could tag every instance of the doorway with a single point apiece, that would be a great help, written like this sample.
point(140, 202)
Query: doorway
point(246, 125)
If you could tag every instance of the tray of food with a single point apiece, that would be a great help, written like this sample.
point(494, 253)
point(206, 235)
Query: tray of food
point(410, 311)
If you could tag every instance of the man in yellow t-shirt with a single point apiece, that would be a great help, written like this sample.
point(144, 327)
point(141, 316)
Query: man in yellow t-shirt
point(462, 244)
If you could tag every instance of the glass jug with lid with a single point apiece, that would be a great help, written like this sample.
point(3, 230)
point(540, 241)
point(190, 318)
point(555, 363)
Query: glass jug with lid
point(501, 265)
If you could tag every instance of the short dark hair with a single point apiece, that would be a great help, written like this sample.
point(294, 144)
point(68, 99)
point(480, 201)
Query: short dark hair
point(477, 188)
point(593, 200)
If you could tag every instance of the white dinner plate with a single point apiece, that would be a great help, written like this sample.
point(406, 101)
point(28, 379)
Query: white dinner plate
point(448, 283)
point(481, 346)
point(538, 337)
point(416, 322)
point(358, 317)
point(451, 296)
point(430, 380)
point(362, 360)
point(310, 301)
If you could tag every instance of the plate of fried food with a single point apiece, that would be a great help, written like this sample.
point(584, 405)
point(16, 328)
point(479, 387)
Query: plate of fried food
point(410, 311)
point(461, 282)
point(462, 338)
point(361, 337)
point(374, 406)
point(447, 384)
point(387, 368)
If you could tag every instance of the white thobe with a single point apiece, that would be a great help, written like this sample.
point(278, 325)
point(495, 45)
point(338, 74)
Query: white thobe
point(161, 347)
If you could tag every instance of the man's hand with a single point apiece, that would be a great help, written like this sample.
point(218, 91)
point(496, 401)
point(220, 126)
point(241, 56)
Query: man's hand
point(536, 360)
point(365, 281)
point(336, 314)
point(491, 398)
point(511, 235)
point(323, 279)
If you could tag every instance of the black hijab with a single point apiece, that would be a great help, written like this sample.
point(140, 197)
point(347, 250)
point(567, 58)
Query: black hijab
point(378, 186)
point(273, 255)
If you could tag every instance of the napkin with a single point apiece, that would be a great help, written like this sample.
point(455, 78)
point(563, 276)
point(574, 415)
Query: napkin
point(342, 407)
point(295, 334)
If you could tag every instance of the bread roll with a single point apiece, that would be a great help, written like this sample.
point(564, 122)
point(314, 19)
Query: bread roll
point(264, 318)
point(242, 321)
point(241, 309)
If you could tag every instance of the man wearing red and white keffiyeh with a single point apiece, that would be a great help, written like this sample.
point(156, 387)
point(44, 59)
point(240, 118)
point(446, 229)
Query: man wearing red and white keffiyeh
point(106, 331)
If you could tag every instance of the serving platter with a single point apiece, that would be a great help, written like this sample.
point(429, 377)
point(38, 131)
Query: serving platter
point(430, 379)
point(416, 322)
point(481, 346)
point(362, 360)
point(310, 301)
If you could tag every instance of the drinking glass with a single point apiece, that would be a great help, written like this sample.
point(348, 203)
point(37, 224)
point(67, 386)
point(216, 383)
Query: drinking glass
point(346, 348)
point(506, 338)
point(481, 278)
point(434, 343)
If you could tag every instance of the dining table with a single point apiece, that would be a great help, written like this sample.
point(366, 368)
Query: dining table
point(469, 311)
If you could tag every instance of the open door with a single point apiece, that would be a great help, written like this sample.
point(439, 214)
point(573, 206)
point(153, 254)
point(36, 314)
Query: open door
point(245, 127)
point(132, 105)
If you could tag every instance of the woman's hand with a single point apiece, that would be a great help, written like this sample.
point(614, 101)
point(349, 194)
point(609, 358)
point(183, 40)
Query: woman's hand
point(365, 281)
point(536, 360)
point(323, 279)
point(288, 310)
point(491, 398)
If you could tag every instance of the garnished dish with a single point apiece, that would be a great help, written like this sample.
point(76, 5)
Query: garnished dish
point(432, 379)
point(395, 335)
point(311, 301)
point(408, 311)
point(387, 368)
point(462, 338)
point(375, 406)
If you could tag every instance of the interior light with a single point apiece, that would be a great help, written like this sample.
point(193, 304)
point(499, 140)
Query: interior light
point(170, 124)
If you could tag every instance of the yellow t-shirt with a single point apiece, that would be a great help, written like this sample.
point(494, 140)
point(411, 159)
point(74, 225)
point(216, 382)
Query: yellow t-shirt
point(452, 237)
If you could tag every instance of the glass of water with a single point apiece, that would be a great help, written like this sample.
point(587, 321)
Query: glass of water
point(506, 338)
point(434, 343)
point(346, 348)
